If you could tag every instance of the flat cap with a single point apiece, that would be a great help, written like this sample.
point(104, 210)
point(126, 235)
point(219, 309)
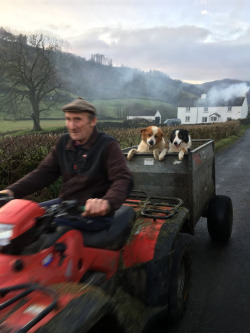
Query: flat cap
point(79, 105)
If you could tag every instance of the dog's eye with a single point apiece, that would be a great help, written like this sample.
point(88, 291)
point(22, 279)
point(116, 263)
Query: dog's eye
point(149, 135)
point(156, 136)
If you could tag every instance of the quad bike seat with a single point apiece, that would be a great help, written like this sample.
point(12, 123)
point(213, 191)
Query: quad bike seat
point(114, 237)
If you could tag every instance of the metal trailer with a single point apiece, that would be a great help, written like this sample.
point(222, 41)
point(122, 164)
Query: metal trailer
point(192, 180)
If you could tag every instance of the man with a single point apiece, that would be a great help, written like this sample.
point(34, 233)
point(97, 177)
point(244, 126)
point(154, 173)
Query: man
point(91, 164)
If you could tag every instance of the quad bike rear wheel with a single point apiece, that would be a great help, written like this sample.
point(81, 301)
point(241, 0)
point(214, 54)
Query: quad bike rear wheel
point(180, 279)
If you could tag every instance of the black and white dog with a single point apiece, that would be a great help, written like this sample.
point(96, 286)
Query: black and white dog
point(180, 141)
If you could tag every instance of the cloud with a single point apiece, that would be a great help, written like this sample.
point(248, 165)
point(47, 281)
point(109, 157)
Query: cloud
point(182, 52)
point(192, 40)
point(204, 12)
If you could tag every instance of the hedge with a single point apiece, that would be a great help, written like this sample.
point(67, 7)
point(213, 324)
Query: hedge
point(22, 154)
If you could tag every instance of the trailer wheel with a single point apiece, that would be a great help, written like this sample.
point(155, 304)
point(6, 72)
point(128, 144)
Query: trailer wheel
point(179, 279)
point(220, 218)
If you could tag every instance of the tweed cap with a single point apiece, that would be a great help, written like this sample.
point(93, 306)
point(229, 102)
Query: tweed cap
point(79, 105)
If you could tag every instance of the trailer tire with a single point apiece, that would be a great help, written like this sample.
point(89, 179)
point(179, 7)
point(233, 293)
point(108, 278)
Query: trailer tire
point(220, 218)
point(180, 279)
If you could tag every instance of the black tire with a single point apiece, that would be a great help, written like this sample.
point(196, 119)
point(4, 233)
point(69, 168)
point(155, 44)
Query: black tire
point(180, 279)
point(220, 218)
point(107, 323)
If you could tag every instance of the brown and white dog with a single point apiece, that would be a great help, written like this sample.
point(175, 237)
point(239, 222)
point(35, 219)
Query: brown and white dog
point(152, 141)
point(180, 141)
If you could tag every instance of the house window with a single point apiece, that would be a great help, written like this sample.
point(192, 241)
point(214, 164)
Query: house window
point(205, 109)
point(229, 108)
point(188, 109)
point(187, 119)
point(213, 118)
point(204, 119)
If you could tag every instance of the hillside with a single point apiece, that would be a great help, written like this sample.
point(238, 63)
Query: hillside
point(96, 81)
point(116, 91)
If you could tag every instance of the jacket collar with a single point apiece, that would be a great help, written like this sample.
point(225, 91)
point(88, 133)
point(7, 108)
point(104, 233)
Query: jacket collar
point(72, 144)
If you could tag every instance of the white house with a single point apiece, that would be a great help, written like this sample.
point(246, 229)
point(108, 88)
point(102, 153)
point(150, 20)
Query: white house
point(204, 110)
point(149, 115)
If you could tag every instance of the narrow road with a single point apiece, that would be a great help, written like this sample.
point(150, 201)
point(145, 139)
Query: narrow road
point(220, 292)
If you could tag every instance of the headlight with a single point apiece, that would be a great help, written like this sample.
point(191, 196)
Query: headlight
point(5, 233)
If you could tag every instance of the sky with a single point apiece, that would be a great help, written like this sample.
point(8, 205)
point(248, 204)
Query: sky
point(193, 41)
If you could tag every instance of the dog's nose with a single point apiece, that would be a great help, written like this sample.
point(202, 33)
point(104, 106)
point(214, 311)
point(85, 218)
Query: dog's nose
point(151, 142)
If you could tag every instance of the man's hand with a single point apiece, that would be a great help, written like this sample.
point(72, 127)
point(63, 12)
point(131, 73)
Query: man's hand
point(96, 207)
point(6, 193)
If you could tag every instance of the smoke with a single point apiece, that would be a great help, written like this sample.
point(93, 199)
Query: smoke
point(219, 94)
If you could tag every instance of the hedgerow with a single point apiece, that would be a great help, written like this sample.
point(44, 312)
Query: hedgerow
point(128, 137)
point(21, 154)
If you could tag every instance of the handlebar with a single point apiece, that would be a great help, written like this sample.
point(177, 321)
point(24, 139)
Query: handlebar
point(4, 198)
point(65, 207)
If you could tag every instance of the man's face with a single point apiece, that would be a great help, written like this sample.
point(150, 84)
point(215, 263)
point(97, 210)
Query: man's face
point(79, 126)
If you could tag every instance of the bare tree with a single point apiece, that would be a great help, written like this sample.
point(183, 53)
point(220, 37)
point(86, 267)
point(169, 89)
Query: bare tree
point(29, 73)
point(101, 59)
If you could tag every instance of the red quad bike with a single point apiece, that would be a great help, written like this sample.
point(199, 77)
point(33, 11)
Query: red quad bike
point(58, 279)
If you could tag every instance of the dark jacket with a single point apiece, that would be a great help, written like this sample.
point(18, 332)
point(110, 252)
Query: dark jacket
point(97, 169)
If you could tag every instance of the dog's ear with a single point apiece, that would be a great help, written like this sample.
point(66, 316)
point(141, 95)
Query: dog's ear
point(143, 130)
point(172, 136)
point(159, 133)
point(184, 135)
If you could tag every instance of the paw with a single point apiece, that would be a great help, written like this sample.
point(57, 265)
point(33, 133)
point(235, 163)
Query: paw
point(162, 154)
point(181, 155)
point(131, 154)
point(156, 154)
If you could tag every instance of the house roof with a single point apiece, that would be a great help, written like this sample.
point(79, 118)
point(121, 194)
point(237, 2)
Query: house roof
point(215, 114)
point(206, 102)
point(146, 113)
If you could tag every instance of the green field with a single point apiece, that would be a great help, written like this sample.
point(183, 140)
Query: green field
point(116, 109)
point(120, 107)
point(27, 125)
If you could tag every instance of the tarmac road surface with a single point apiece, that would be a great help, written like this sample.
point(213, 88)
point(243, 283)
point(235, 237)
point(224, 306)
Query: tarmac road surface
point(219, 299)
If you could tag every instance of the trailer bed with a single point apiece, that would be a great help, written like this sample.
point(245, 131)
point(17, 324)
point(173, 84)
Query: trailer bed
point(192, 179)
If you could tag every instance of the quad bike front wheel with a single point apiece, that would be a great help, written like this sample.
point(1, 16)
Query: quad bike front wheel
point(88, 312)
point(180, 279)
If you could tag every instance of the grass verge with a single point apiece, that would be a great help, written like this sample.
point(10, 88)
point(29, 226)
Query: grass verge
point(224, 143)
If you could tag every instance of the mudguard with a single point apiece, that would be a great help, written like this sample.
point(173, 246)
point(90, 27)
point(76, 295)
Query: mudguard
point(81, 313)
point(148, 278)
point(71, 308)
